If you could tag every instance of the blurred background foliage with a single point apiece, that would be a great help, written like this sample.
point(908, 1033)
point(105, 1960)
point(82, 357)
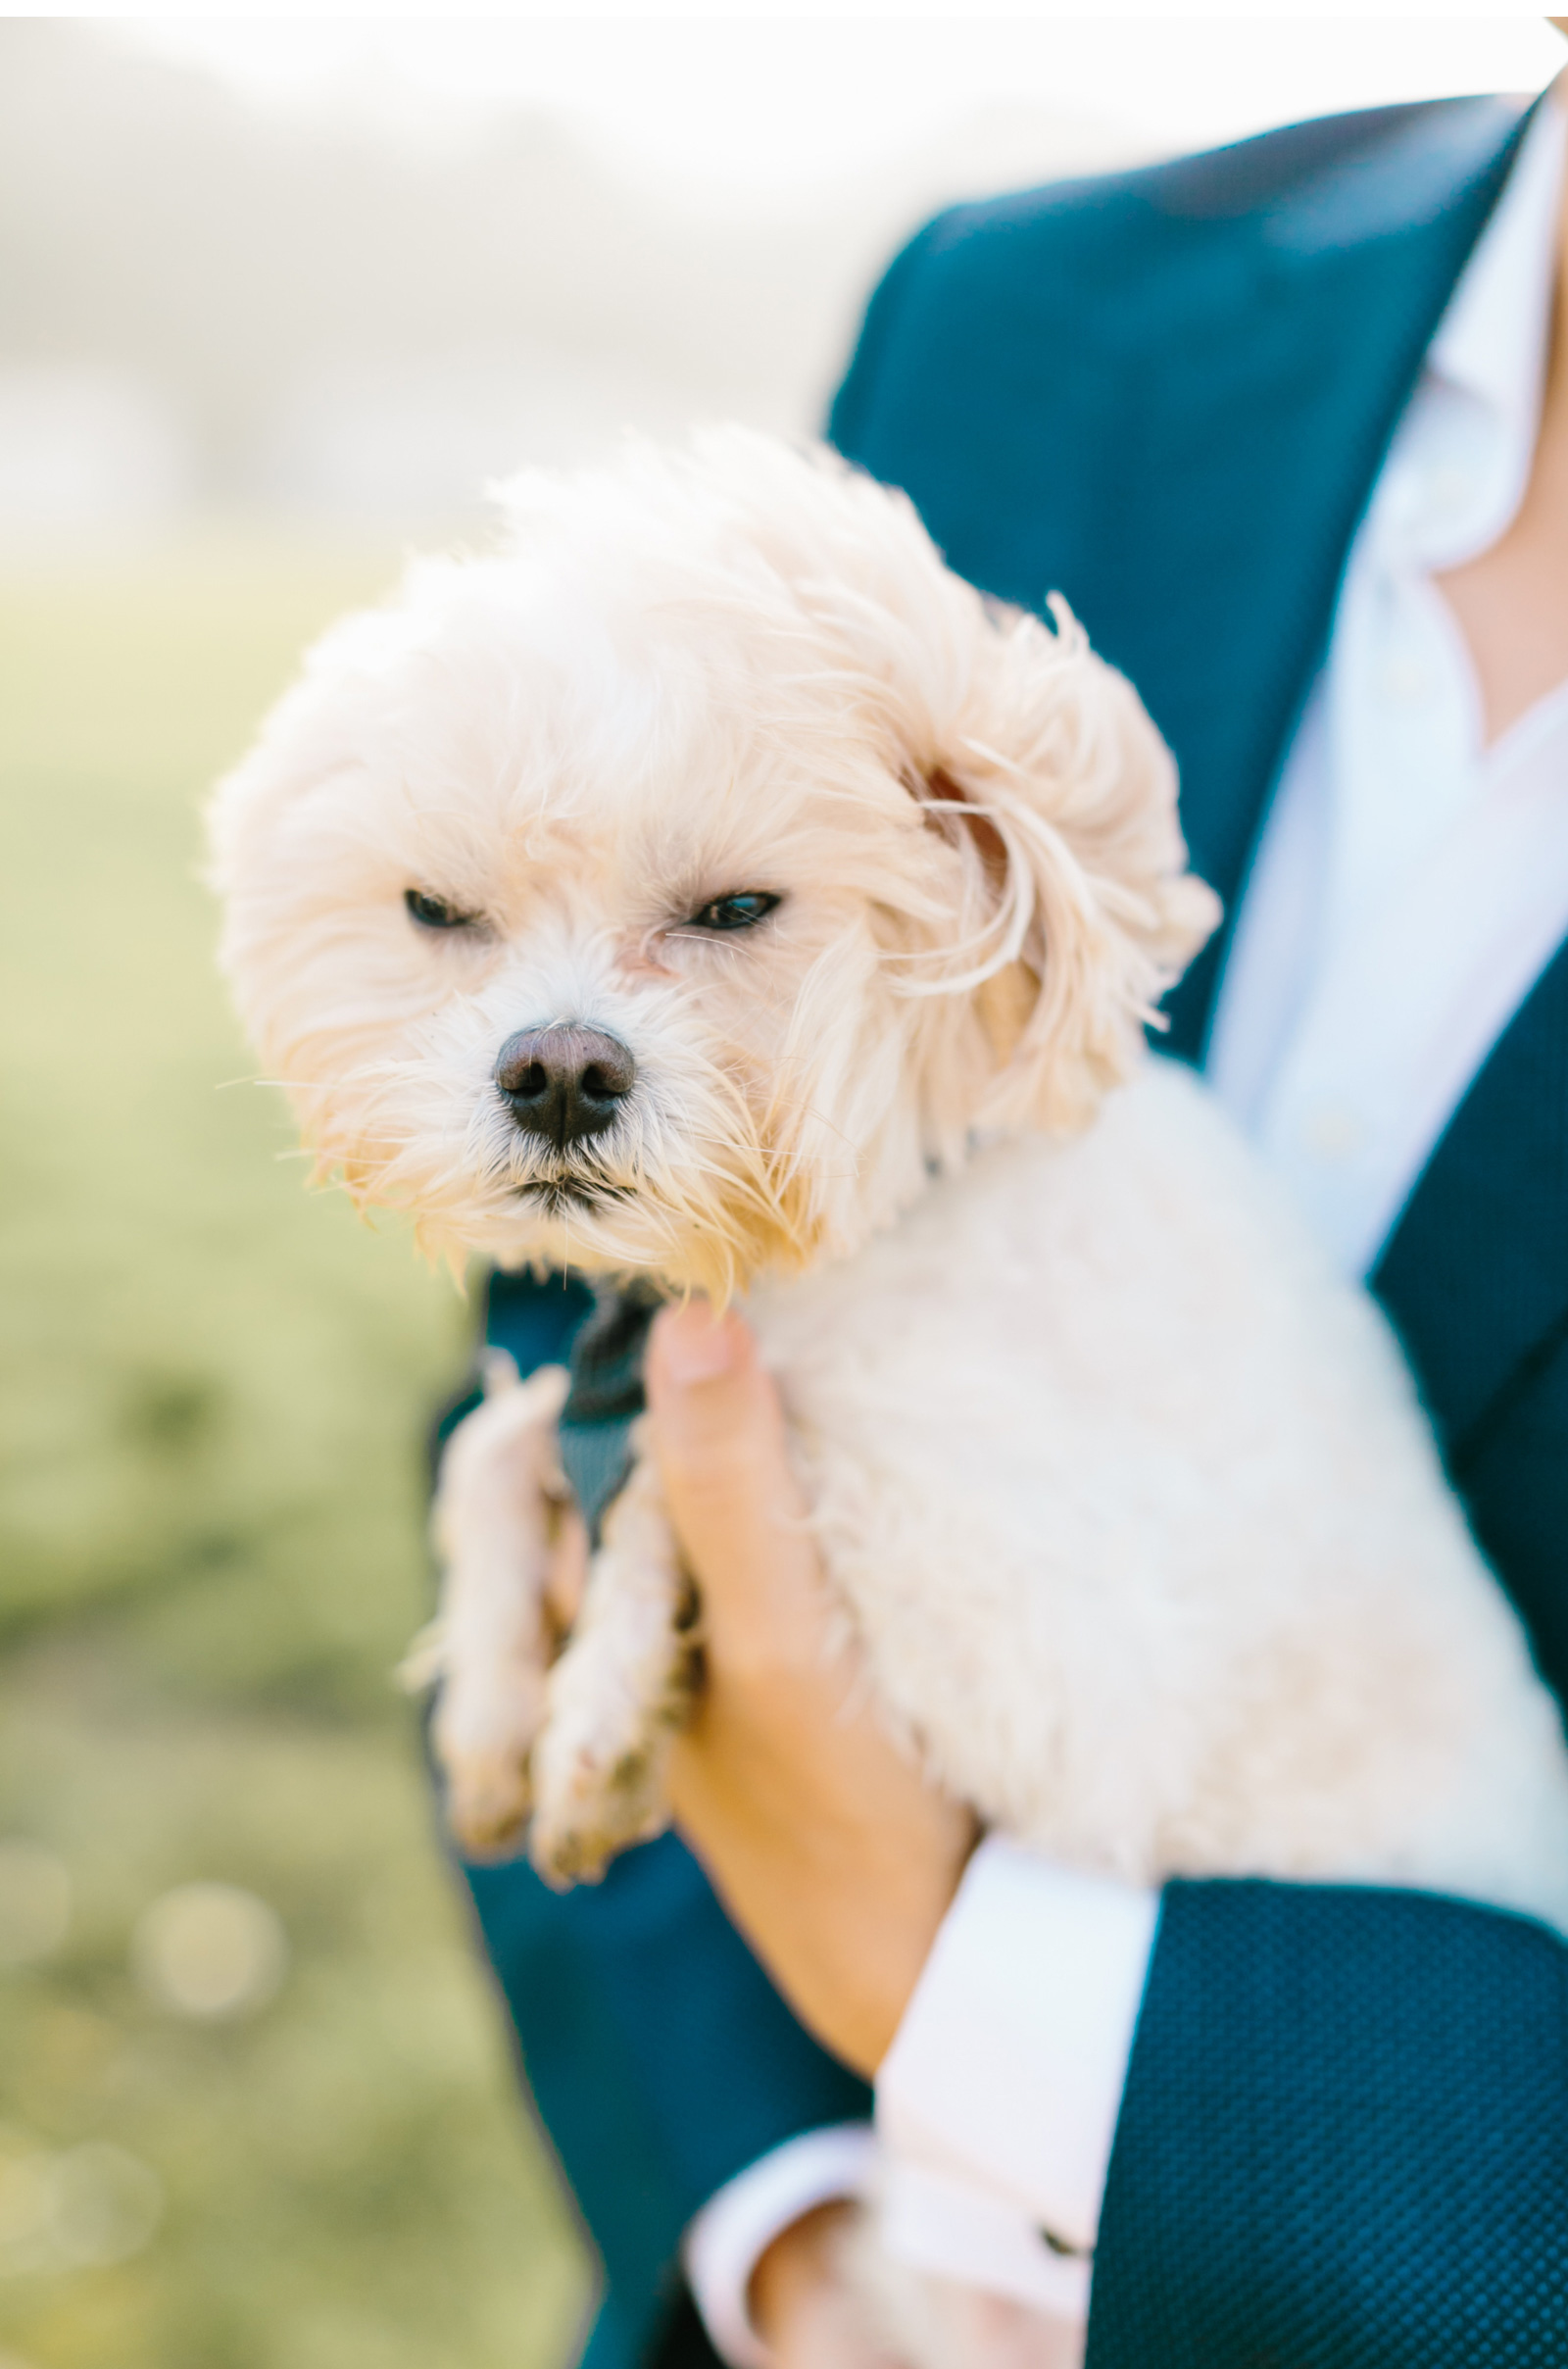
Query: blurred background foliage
point(213, 1396)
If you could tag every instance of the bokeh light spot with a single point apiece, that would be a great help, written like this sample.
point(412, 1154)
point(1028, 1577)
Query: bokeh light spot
point(76, 2209)
point(105, 2204)
point(210, 1950)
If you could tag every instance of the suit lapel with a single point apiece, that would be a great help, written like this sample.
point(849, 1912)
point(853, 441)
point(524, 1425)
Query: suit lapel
point(1471, 1314)
point(1349, 283)
point(1248, 529)
point(1243, 331)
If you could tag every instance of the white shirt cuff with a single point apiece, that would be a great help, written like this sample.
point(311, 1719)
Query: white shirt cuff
point(996, 2104)
point(735, 2228)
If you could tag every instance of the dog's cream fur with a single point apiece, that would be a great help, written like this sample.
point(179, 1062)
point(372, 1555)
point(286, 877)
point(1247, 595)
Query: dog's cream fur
point(1126, 1502)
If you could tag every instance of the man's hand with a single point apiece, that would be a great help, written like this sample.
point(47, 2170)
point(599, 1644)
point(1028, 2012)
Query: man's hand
point(835, 1858)
point(801, 2306)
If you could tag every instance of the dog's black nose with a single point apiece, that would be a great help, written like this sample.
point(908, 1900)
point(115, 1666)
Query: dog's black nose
point(563, 1083)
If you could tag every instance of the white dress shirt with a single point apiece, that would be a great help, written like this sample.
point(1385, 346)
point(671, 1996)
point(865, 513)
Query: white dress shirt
point(1411, 886)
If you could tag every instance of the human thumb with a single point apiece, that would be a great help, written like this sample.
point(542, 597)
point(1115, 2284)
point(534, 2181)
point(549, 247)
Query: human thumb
point(719, 1438)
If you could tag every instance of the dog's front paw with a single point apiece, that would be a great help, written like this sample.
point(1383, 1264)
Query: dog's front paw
point(482, 1736)
point(592, 1801)
point(598, 1770)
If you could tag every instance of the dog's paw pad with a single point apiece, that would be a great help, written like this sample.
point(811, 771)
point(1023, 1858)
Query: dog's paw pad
point(488, 1798)
point(482, 1737)
point(589, 1805)
point(569, 1854)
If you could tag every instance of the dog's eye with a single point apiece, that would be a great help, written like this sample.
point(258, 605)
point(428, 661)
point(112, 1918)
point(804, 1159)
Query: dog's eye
point(743, 911)
point(434, 913)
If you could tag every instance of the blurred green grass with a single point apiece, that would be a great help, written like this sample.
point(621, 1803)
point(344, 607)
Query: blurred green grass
point(212, 1393)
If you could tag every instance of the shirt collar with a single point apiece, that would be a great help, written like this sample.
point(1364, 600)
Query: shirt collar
point(1490, 343)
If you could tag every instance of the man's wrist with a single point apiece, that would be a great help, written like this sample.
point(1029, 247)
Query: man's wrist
point(727, 2241)
point(800, 2257)
point(997, 2106)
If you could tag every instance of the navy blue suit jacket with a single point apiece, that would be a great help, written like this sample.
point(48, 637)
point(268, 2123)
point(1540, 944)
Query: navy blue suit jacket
point(1345, 2136)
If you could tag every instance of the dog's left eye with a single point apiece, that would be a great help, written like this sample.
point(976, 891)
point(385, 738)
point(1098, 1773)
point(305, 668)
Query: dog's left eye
point(434, 913)
point(743, 911)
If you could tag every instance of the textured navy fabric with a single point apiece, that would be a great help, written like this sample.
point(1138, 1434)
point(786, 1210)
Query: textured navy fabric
point(659, 2057)
point(1168, 395)
point(1476, 1279)
point(536, 1321)
point(1346, 2139)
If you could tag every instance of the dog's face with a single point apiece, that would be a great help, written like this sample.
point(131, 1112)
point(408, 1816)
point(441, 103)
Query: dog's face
point(672, 890)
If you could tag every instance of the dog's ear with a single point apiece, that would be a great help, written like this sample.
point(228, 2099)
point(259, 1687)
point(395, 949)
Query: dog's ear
point(1030, 755)
point(1078, 911)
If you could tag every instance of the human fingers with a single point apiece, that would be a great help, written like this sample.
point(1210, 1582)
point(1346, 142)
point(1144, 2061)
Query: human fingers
point(831, 1849)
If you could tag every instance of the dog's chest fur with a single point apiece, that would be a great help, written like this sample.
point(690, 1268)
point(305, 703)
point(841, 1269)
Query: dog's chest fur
point(1134, 1512)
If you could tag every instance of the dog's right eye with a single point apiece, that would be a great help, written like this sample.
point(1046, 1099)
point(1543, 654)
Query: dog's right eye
point(434, 913)
point(742, 908)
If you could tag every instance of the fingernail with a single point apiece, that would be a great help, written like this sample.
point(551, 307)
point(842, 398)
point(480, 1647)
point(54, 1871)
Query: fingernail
point(695, 1346)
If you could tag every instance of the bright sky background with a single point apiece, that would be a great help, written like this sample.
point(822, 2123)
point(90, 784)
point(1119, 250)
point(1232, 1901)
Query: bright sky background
point(770, 102)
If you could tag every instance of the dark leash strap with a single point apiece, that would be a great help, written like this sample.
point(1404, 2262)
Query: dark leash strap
point(606, 1396)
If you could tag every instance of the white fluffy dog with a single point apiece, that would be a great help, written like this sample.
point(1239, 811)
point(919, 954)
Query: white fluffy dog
point(708, 886)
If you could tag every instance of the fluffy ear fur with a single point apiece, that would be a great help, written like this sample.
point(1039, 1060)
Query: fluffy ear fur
point(1036, 760)
point(1062, 798)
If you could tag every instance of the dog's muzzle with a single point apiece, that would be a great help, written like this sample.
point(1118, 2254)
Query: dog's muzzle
point(563, 1084)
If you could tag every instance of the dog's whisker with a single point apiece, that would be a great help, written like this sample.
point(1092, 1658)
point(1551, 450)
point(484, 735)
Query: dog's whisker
point(792, 1158)
point(809, 1110)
